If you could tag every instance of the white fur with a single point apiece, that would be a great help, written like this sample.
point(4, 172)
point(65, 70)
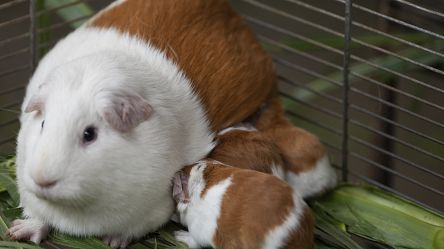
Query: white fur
point(277, 237)
point(322, 177)
point(201, 214)
point(278, 171)
point(240, 127)
point(120, 184)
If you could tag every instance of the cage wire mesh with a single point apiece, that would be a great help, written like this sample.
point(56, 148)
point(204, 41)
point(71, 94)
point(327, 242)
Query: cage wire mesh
point(366, 77)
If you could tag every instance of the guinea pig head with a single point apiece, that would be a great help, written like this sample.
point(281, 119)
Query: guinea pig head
point(81, 135)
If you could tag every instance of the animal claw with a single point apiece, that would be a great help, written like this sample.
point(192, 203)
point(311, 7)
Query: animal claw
point(28, 229)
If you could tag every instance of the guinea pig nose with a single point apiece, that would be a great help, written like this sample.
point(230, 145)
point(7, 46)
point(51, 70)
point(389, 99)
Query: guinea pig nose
point(45, 183)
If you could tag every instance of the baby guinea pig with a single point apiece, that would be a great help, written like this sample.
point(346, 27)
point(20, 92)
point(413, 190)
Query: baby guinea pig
point(245, 147)
point(228, 207)
point(283, 150)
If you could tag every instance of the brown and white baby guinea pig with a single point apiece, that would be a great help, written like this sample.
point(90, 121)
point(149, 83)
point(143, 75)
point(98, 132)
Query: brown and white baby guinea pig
point(285, 151)
point(231, 208)
point(245, 147)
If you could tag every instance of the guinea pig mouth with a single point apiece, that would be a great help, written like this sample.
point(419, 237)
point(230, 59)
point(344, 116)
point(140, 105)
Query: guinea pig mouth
point(47, 194)
point(43, 194)
point(58, 197)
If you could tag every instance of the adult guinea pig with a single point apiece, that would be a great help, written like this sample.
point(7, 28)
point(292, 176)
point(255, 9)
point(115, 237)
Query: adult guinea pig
point(121, 104)
point(227, 207)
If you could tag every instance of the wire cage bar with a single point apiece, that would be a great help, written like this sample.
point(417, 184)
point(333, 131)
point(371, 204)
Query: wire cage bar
point(346, 89)
point(364, 76)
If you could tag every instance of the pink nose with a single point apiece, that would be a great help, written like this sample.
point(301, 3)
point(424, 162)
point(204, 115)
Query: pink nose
point(45, 183)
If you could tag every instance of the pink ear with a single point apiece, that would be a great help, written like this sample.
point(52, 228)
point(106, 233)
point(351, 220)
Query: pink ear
point(125, 112)
point(36, 103)
point(180, 187)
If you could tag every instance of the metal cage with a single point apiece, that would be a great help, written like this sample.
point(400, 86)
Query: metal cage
point(365, 76)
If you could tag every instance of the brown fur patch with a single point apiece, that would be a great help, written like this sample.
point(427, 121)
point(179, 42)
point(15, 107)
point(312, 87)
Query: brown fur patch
point(228, 68)
point(303, 238)
point(272, 116)
point(187, 169)
point(299, 148)
point(253, 205)
point(213, 174)
point(248, 150)
point(280, 143)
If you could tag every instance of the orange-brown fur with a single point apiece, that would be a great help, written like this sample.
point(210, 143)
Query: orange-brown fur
point(253, 205)
point(282, 144)
point(228, 68)
point(248, 150)
point(271, 116)
point(299, 148)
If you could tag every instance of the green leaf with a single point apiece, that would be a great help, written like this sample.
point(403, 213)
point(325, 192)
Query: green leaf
point(12, 213)
point(383, 217)
point(9, 184)
point(71, 13)
point(3, 226)
point(15, 244)
point(332, 230)
point(76, 242)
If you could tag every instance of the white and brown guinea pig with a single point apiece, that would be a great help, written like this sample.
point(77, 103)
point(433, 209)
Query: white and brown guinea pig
point(121, 104)
point(282, 149)
point(231, 208)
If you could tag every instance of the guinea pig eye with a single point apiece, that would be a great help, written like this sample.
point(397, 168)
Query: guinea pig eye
point(89, 134)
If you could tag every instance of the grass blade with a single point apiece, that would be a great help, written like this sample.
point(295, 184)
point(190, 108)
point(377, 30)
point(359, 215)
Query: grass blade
point(76, 242)
point(15, 244)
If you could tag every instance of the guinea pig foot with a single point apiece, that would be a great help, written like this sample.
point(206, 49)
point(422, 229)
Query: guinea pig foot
point(185, 237)
point(28, 229)
point(116, 241)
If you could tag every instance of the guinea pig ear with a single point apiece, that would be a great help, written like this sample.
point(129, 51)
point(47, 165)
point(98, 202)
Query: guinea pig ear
point(126, 111)
point(180, 187)
point(36, 103)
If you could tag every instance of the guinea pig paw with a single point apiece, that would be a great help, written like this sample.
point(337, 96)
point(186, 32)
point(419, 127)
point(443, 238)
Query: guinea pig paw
point(185, 237)
point(116, 241)
point(28, 229)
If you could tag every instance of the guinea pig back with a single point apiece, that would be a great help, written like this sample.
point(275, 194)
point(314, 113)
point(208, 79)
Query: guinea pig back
point(230, 207)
